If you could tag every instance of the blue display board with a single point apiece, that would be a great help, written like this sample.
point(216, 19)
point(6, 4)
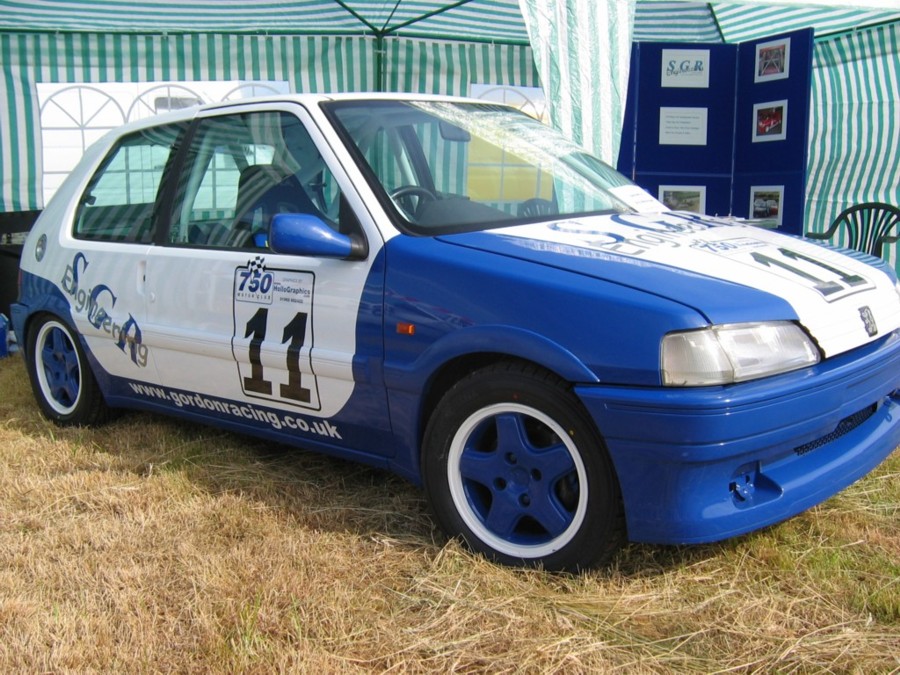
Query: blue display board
point(722, 129)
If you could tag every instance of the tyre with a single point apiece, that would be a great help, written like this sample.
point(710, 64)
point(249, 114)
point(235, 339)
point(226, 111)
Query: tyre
point(63, 384)
point(514, 466)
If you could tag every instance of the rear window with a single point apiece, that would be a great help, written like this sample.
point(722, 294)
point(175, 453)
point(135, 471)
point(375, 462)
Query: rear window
point(119, 202)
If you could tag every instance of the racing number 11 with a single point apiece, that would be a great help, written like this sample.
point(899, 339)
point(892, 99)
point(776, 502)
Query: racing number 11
point(823, 286)
point(295, 335)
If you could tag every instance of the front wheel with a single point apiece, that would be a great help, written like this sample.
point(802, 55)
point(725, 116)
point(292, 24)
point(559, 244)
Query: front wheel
point(63, 384)
point(514, 466)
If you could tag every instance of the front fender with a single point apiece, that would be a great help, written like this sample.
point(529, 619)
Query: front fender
point(487, 339)
point(407, 382)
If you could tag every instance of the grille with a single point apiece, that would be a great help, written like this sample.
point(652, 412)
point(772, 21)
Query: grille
point(845, 426)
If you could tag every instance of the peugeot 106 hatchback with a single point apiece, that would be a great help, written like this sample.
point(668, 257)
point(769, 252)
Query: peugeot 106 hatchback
point(449, 290)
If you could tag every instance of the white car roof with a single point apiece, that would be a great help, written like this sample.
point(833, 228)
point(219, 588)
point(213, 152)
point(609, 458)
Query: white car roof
point(303, 99)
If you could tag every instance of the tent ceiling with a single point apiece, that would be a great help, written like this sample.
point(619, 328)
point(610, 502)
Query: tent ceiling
point(474, 20)
point(741, 21)
point(494, 20)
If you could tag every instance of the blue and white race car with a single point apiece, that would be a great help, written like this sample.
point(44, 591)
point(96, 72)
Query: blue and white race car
point(452, 291)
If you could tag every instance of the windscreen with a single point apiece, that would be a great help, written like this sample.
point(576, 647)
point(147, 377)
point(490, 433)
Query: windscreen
point(445, 166)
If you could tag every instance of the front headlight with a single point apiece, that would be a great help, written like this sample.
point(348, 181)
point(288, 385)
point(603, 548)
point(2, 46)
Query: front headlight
point(734, 353)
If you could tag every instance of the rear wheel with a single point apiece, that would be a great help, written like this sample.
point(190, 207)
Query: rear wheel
point(63, 384)
point(514, 466)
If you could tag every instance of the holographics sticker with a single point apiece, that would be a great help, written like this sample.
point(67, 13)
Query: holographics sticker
point(273, 334)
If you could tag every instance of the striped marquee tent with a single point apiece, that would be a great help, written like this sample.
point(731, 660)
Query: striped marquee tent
point(577, 49)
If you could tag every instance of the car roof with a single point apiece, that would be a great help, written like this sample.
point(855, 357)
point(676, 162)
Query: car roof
point(310, 100)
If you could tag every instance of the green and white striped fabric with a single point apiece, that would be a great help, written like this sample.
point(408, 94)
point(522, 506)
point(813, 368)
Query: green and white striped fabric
point(742, 22)
point(307, 63)
point(472, 20)
point(855, 127)
point(441, 67)
point(478, 20)
point(663, 21)
point(582, 51)
point(208, 16)
point(31, 58)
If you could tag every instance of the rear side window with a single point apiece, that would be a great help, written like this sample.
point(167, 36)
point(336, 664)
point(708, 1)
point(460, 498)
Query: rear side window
point(119, 202)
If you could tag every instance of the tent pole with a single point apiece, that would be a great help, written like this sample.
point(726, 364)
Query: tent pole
point(380, 64)
point(712, 13)
point(428, 15)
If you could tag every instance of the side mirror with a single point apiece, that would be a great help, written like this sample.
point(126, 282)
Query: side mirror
point(304, 234)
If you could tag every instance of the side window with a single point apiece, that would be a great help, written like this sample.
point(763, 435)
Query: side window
point(242, 170)
point(119, 202)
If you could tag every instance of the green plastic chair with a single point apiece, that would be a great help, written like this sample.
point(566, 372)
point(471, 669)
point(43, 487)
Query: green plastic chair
point(868, 227)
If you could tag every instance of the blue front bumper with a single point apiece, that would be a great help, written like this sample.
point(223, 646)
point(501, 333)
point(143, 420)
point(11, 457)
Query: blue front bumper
point(704, 464)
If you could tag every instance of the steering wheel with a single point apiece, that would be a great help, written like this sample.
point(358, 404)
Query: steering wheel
point(409, 198)
point(240, 235)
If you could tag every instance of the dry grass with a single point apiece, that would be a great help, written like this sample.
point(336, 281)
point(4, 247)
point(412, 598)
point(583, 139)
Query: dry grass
point(152, 545)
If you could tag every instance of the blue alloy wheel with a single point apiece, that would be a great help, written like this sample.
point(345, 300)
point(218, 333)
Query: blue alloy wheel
point(513, 465)
point(516, 479)
point(59, 371)
point(64, 387)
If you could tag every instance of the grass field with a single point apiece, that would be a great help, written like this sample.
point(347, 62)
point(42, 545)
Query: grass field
point(152, 545)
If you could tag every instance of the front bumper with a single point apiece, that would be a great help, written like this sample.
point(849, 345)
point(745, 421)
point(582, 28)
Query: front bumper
point(703, 464)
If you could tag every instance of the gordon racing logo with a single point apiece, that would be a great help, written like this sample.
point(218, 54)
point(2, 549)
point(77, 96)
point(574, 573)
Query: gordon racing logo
point(97, 303)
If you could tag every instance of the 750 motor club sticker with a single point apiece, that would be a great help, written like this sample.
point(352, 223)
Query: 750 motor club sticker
point(273, 333)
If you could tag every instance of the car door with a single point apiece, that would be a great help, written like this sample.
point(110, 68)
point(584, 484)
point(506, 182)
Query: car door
point(257, 338)
point(106, 252)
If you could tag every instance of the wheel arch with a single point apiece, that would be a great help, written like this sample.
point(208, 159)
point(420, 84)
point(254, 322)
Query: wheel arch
point(34, 317)
point(465, 351)
point(24, 314)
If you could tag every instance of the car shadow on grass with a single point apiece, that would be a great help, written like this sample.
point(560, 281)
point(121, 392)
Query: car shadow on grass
point(316, 491)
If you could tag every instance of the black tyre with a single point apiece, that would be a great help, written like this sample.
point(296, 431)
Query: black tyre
point(514, 466)
point(63, 384)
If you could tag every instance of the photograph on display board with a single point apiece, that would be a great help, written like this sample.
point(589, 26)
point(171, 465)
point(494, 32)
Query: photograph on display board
point(690, 198)
point(770, 121)
point(765, 202)
point(773, 60)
